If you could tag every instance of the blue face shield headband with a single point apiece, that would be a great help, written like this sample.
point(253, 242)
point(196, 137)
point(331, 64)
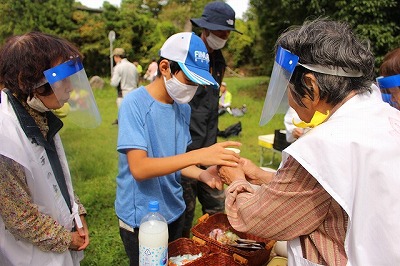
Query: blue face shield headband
point(71, 86)
point(284, 66)
point(386, 83)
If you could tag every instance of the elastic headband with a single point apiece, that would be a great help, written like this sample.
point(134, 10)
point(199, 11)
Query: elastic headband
point(333, 70)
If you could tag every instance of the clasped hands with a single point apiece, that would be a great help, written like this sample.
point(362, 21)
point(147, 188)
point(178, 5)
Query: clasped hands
point(245, 170)
point(238, 169)
point(80, 238)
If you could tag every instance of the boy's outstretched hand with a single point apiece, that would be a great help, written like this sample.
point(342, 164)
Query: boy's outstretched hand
point(218, 155)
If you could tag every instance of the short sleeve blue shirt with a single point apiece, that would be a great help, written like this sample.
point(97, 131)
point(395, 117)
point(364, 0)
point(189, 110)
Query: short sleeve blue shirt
point(162, 130)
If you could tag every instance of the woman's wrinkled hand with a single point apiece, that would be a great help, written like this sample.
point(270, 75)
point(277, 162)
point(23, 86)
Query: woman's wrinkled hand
point(80, 238)
point(229, 174)
point(76, 241)
point(254, 174)
point(84, 233)
point(249, 168)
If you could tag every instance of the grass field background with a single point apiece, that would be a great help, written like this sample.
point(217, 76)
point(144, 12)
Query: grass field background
point(93, 161)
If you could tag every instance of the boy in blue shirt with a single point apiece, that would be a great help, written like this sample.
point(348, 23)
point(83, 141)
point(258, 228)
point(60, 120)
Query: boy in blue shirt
point(153, 137)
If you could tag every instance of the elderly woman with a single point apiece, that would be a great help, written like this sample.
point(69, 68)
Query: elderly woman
point(335, 196)
point(42, 221)
point(389, 82)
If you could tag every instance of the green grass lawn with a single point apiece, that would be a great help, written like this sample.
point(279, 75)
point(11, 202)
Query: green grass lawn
point(93, 161)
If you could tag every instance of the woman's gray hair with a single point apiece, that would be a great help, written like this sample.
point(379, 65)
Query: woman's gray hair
point(328, 43)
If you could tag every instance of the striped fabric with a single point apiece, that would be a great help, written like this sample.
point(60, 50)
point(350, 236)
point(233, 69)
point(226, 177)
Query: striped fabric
point(292, 205)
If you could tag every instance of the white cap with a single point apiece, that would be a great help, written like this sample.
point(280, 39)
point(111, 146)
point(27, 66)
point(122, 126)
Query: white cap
point(190, 52)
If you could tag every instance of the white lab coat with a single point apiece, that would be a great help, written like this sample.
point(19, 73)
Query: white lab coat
point(44, 190)
point(355, 156)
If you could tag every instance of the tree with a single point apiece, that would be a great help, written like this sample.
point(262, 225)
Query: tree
point(142, 26)
point(90, 37)
point(49, 16)
point(375, 20)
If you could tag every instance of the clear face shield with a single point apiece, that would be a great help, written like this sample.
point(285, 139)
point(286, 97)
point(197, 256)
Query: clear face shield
point(71, 86)
point(276, 100)
point(390, 88)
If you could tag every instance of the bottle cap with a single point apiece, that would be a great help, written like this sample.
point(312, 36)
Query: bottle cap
point(153, 206)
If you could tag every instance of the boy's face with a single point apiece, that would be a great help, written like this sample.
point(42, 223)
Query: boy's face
point(184, 79)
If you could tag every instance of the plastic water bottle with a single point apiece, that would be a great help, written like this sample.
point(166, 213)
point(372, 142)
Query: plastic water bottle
point(153, 238)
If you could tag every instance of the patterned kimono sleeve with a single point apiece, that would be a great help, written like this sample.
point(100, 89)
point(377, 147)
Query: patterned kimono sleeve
point(81, 208)
point(22, 217)
point(293, 203)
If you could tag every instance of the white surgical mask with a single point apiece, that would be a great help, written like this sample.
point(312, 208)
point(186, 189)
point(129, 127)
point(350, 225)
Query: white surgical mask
point(178, 91)
point(37, 104)
point(215, 42)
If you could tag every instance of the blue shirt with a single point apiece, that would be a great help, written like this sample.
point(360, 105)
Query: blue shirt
point(161, 130)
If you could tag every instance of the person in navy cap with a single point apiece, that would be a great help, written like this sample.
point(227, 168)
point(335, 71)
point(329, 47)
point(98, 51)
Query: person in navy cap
point(217, 22)
point(153, 135)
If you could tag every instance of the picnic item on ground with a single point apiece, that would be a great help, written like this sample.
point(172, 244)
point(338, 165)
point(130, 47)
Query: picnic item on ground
point(224, 237)
point(187, 249)
point(245, 255)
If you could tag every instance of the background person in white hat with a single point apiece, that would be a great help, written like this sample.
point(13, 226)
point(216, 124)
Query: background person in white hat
point(125, 76)
point(217, 22)
point(153, 137)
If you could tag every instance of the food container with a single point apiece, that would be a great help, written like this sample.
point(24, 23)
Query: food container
point(246, 257)
point(216, 259)
point(183, 246)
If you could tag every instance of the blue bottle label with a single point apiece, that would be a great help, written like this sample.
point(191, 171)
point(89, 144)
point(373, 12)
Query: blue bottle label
point(153, 256)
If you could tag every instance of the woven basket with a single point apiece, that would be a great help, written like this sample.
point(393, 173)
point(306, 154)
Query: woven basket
point(182, 246)
point(215, 259)
point(219, 220)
